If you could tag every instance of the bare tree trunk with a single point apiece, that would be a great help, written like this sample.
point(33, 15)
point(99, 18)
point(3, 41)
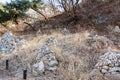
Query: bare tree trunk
point(74, 8)
point(53, 6)
point(63, 4)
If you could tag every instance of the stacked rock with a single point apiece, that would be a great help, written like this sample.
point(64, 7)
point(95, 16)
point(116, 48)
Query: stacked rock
point(8, 42)
point(46, 60)
point(98, 42)
point(109, 63)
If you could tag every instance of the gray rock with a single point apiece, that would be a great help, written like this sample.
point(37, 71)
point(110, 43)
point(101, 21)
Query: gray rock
point(38, 68)
point(95, 75)
point(39, 32)
point(111, 65)
point(51, 41)
point(105, 67)
point(52, 68)
point(42, 51)
point(117, 29)
point(100, 19)
point(65, 31)
point(114, 69)
point(53, 63)
point(48, 26)
point(104, 71)
point(110, 27)
point(114, 73)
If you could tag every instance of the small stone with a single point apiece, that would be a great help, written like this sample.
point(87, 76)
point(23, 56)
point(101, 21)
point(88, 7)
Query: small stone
point(105, 67)
point(116, 64)
point(115, 73)
point(52, 68)
point(39, 32)
point(111, 65)
point(38, 68)
point(117, 29)
point(65, 31)
point(48, 26)
point(104, 71)
point(95, 74)
point(53, 63)
point(109, 27)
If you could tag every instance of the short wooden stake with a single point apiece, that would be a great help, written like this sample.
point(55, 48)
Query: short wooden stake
point(24, 74)
point(7, 64)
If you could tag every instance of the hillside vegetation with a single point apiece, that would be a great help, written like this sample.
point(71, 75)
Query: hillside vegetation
point(80, 43)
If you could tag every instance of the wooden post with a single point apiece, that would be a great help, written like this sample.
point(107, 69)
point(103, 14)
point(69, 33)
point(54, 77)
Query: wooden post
point(25, 74)
point(7, 64)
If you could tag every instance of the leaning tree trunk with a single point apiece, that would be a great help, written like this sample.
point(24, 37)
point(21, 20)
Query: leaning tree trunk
point(30, 25)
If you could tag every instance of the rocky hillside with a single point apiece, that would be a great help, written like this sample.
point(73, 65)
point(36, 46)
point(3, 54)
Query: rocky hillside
point(61, 49)
point(61, 56)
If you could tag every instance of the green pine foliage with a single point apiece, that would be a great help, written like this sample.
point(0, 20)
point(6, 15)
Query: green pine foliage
point(16, 8)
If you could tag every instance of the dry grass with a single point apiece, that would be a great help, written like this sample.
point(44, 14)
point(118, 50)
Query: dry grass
point(76, 61)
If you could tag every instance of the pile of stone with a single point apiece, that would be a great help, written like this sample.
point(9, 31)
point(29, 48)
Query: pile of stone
point(46, 60)
point(109, 63)
point(65, 31)
point(8, 42)
point(98, 42)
